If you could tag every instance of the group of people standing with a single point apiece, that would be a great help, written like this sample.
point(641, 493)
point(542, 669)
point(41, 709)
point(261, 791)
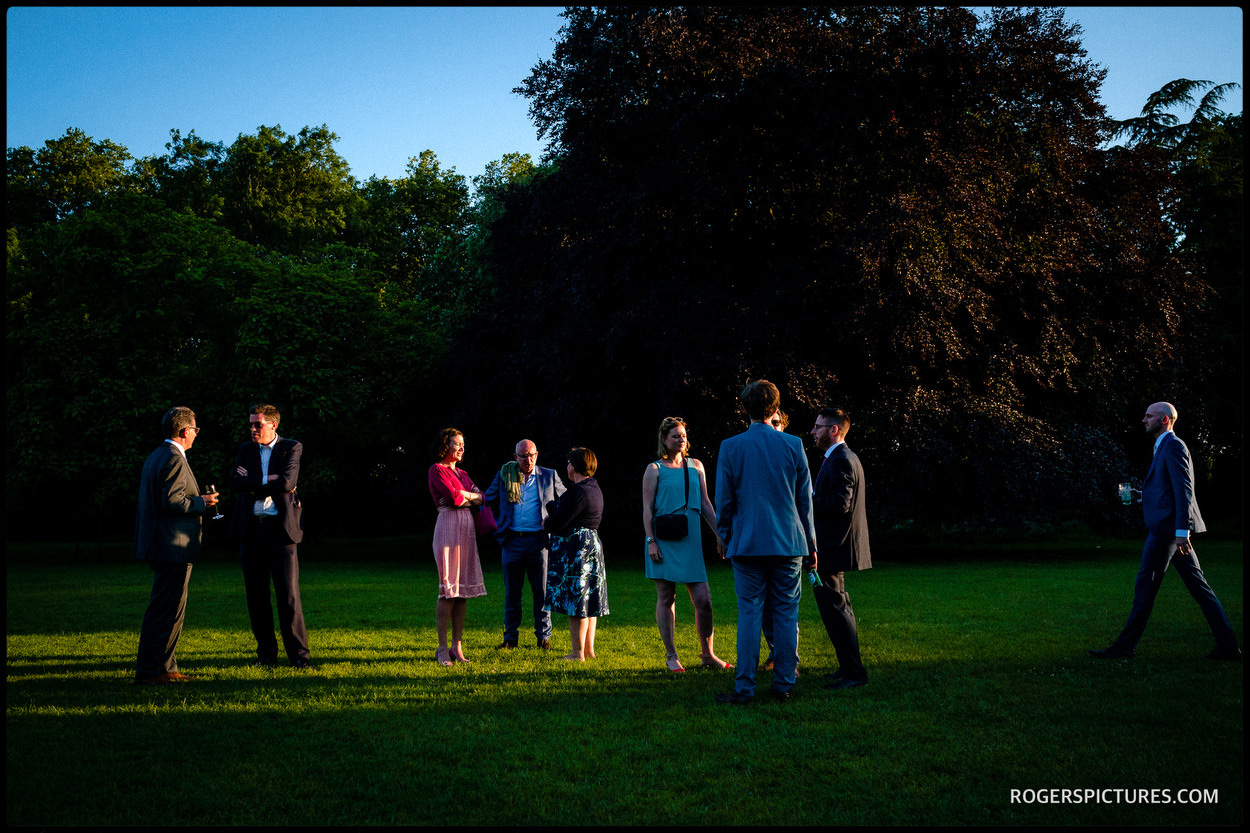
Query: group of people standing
point(547, 532)
point(766, 521)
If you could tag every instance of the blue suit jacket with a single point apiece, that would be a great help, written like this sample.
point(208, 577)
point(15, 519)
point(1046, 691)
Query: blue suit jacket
point(1167, 496)
point(549, 488)
point(764, 495)
point(168, 516)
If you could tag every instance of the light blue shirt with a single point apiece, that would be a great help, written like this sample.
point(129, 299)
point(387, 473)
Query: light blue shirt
point(528, 516)
point(265, 507)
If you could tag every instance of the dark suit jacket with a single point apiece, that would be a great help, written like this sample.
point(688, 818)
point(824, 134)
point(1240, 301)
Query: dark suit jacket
point(841, 518)
point(1168, 501)
point(284, 462)
point(168, 519)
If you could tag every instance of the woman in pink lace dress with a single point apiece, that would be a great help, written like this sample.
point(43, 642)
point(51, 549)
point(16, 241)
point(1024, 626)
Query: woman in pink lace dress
point(455, 543)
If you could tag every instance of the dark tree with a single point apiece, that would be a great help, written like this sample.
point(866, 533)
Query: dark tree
point(906, 212)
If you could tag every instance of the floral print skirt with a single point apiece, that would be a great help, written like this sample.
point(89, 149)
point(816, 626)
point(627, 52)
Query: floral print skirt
point(576, 577)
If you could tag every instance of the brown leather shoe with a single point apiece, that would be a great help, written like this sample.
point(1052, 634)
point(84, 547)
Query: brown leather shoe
point(544, 644)
point(164, 679)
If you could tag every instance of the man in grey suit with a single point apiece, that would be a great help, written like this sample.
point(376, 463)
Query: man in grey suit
point(763, 511)
point(519, 495)
point(1172, 517)
point(167, 536)
point(838, 505)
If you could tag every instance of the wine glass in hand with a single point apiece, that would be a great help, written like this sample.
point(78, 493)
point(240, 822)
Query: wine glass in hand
point(212, 490)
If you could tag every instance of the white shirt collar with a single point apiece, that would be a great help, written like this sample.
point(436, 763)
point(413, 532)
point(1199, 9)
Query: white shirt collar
point(832, 447)
point(181, 450)
point(1160, 439)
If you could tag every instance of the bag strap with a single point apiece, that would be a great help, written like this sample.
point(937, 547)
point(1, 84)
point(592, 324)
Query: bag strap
point(685, 476)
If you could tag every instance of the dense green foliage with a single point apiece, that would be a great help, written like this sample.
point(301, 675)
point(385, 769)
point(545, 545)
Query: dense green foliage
point(908, 213)
point(980, 683)
point(914, 214)
point(218, 277)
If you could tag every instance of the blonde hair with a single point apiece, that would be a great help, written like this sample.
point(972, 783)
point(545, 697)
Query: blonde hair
point(668, 424)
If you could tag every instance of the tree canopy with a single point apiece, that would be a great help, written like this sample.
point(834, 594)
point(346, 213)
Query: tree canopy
point(917, 214)
point(910, 213)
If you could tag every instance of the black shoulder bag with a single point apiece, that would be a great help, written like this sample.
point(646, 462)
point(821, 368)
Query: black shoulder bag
point(675, 526)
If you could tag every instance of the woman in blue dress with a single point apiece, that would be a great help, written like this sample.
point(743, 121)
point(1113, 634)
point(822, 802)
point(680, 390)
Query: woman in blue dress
point(576, 575)
point(676, 483)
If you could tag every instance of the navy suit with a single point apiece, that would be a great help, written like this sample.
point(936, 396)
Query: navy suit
point(1168, 505)
point(763, 513)
point(839, 506)
point(267, 546)
point(524, 553)
point(167, 536)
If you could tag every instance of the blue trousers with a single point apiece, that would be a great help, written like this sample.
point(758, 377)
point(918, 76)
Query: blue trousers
point(525, 557)
point(1157, 554)
point(774, 578)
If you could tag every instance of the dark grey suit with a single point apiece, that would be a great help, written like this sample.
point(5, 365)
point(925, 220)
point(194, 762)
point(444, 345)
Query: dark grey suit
point(167, 536)
point(1168, 505)
point(838, 506)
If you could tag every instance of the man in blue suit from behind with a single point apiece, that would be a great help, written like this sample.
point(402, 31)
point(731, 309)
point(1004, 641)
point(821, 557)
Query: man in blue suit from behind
point(1172, 517)
point(764, 515)
point(519, 495)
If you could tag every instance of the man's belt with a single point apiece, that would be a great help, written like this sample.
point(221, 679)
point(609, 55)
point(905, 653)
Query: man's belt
point(525, 534)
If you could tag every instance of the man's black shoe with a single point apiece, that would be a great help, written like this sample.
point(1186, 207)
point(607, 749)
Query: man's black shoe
point(845, 682)
point(1232, 652)
point(508, 644)
point(1114, 652)
point(735, 699)
point(779, 695)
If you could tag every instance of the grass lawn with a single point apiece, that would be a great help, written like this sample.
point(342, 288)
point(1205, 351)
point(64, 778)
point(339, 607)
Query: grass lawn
point(980, 684)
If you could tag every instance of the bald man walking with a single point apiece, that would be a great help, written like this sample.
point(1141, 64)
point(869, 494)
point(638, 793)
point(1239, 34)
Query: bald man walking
point(1172, 517)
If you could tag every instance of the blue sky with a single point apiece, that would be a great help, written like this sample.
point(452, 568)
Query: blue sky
point(392, 82)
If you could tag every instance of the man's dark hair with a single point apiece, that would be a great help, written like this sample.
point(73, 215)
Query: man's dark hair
point(836, 415)
point(761, 399)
